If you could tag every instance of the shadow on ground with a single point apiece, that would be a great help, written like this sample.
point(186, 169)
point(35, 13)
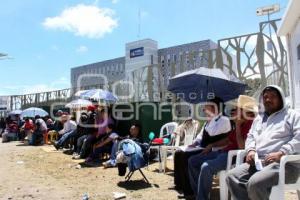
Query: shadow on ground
point(134, 185)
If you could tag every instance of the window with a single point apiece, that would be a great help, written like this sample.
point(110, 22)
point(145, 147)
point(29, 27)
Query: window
point(298, 51)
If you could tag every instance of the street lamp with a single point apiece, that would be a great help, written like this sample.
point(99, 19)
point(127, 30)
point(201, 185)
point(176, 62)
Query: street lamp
point(268, 10)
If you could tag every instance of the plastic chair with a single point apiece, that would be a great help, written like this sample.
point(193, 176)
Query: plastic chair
point(167, 128)
point(53, 136)
point(222, 175)
point(189, 136)
point(278, 190)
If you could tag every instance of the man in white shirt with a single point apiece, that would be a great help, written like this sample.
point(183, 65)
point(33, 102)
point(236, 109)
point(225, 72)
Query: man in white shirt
point(70, 127)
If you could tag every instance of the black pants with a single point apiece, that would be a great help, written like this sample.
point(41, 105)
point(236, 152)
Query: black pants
point(87, 146)
point(181, 176)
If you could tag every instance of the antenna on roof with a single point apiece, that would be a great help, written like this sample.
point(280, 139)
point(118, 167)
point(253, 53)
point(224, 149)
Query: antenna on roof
point(139, 23)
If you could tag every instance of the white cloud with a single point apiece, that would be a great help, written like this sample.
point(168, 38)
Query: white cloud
point(82, 49)
point(84, 20)
point(114, 1)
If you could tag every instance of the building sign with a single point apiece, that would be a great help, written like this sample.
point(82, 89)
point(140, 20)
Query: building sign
point(4, 103)
point(137, 52)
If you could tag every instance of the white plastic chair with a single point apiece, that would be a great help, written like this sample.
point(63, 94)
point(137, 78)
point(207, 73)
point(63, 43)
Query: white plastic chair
point(222, 175)
point(278, 190)
point(167, 128)
point(189, 136)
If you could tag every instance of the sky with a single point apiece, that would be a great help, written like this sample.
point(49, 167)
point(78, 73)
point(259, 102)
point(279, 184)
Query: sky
point(45, 39)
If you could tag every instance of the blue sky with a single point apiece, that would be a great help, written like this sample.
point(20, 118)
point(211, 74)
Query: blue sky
point(44, 39)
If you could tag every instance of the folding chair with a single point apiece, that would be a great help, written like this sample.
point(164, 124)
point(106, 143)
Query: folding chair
point(145, 150)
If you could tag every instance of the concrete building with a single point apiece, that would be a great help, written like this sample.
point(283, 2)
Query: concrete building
point(290, 28)
point(146, 66)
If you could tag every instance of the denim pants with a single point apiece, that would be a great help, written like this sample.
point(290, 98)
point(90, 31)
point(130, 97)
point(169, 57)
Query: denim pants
point(80, 142)
point(65, 137)
point(202, 168)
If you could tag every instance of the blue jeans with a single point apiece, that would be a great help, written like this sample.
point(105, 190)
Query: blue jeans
point(65, 137)
point(202, 168)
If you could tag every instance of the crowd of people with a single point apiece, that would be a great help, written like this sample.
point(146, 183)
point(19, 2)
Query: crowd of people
point(267, 132)
point(91, 138)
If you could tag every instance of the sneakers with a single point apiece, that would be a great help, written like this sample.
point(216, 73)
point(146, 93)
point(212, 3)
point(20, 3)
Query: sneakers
point(108, 164)
point(76, 157)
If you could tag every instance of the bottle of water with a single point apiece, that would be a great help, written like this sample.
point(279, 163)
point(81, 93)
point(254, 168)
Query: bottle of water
point(85, 197)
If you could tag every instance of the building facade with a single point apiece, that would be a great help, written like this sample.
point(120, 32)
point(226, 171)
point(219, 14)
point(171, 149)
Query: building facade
point(290, 28)
point(145, 68)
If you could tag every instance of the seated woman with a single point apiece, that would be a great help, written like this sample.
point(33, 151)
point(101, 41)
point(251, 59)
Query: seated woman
point(11, 131)
point(104, 145)
point(27, 129)
point(204, 166)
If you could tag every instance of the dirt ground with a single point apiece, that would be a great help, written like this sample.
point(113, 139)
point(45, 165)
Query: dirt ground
point(42, 173)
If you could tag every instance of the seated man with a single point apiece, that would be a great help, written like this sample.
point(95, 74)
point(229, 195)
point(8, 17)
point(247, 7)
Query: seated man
point(68, 130)
point(39, 131)
point(216, 128)
point(204, 166)
point(73, 135)
point(104, 145)
point(275, 132)
point(135, 135)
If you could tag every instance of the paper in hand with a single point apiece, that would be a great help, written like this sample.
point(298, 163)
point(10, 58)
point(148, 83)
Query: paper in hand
point(258, 163)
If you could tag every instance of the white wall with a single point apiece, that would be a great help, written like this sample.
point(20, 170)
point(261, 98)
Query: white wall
point(150, 49)
point(295, 64)
point(137, 69)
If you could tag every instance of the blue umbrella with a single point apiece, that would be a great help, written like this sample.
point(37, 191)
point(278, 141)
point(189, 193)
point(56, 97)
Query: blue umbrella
point(15, 112)
point(79, 103)
point(199, 85)
point(32, 112)
point(99, 94)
